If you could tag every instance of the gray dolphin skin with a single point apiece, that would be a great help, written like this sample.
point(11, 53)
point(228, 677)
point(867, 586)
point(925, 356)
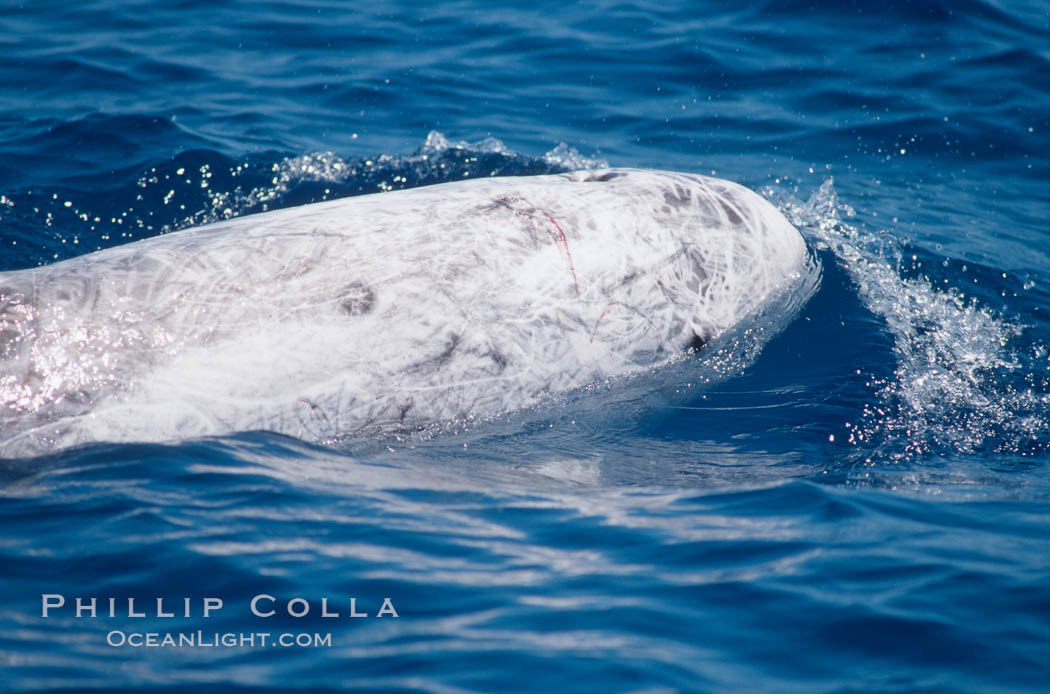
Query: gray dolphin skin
point(382, 312)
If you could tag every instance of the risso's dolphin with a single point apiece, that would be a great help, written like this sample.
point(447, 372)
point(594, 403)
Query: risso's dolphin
point(368, 314)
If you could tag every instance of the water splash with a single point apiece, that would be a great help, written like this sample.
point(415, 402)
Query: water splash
point(961, 382)
point(569, 159)
point(437, 159)
point(436, 144)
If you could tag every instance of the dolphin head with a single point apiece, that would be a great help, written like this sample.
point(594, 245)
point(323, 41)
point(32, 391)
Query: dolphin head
point(700, 253)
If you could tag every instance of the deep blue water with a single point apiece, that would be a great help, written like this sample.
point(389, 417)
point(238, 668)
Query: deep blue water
point(860, 507)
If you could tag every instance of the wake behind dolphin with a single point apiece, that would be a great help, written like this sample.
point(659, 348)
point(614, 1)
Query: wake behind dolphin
point(379, 312)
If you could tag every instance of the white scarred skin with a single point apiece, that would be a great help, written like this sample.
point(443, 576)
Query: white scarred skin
point(378, 312)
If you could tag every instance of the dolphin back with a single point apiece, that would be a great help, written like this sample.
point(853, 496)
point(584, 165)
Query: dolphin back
point(382, 312)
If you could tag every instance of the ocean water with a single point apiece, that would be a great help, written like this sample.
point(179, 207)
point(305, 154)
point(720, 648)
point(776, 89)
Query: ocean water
point(861, 505)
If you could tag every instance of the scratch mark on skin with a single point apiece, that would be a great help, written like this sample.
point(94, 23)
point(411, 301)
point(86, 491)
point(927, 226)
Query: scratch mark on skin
point(499, 359)
point(432, 364)
point(453, 342)
point(314, 408)
point(565, 244)
point(507, 201)
point(594, 332)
